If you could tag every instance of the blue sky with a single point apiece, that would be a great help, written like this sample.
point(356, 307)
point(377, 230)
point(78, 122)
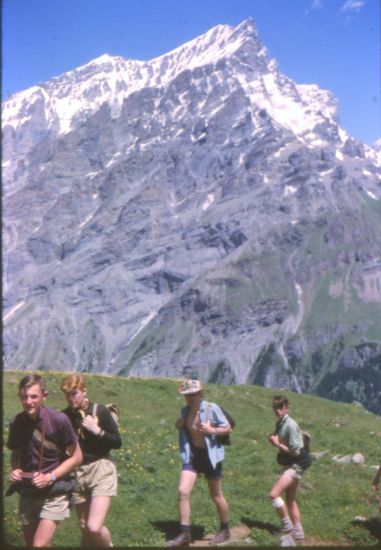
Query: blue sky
point(333, 43)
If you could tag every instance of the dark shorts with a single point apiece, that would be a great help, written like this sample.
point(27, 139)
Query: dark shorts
point(200, 463)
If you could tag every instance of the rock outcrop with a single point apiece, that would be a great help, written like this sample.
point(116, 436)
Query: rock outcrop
point(196, 213)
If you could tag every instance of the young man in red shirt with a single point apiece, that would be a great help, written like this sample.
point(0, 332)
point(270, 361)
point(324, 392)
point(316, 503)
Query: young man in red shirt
point(44, 449)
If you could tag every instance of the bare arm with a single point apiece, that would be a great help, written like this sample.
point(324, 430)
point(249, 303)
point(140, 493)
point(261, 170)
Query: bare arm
point(208, 428)
point(274, 440)
point(75, 459)
point(71, 463)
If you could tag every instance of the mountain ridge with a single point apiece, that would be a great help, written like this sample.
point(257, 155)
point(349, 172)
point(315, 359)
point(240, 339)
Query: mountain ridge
point(183, 57)
point(222, 223)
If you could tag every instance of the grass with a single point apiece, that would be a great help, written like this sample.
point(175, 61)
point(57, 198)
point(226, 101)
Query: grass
point(331, 495)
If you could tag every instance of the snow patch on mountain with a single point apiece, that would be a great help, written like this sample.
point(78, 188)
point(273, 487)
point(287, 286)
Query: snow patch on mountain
point(64, 101)
point(78, 93)
point(190, 219)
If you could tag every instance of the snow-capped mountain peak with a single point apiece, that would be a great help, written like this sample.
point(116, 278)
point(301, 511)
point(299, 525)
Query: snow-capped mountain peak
point(65, 99)
point(199, 208)
point(60, 104)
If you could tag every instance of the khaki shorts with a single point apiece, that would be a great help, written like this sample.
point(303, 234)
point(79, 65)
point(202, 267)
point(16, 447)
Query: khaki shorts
point(97, 479)
point(294, 471)
point(32, 508)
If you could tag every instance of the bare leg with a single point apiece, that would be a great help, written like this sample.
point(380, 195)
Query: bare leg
point(284, 483)
point(44, 534)
point(28, 532)
point(99, 507)
point(292, 506)
point(215, 490)
point(186, 484)
point(83, 514)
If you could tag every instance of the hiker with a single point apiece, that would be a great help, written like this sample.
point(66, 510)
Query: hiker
point(288, 439)
point(201, 453)
point(376, 482)
point(96, 478)
point(44, 451)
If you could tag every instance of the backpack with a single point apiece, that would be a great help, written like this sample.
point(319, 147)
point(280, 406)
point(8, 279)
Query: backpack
point(114, 410)
point(224, 439)
point(306, 440)
point(304, 459)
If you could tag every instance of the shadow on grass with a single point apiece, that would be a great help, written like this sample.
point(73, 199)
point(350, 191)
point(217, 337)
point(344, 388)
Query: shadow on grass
point(172, 528)
point(269, 527)
point(373, 525)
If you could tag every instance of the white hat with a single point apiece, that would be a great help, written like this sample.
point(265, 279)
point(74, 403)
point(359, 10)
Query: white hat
point(190, 386)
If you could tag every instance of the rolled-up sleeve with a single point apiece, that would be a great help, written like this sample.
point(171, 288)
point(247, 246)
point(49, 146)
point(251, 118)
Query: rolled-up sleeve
point(218, 416)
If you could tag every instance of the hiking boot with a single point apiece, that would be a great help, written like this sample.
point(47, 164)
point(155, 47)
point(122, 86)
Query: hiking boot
point(184, 539)
point(222, 536)
point(297, 533)
point(287, 540)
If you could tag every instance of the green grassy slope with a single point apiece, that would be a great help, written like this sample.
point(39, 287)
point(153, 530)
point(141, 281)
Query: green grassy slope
point(145, 511)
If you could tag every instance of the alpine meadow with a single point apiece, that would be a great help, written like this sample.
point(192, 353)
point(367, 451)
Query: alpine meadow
point(335, 496)
point(199, 215)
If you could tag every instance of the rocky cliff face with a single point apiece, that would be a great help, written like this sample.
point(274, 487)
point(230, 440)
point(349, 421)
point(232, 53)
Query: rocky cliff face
point(199, 213)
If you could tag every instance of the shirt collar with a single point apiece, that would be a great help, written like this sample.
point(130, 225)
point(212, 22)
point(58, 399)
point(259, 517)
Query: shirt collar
point(41, 413)
point(40, 416)
point(282, 420)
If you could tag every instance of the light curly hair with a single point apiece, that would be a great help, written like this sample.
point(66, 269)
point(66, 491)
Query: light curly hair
point(73, 382)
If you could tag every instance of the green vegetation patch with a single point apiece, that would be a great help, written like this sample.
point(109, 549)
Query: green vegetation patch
point(331, 495)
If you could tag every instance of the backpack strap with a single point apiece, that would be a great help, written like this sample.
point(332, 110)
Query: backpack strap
point(40, 452)
point(207, 411)
point(42, 446)
point(94, 415)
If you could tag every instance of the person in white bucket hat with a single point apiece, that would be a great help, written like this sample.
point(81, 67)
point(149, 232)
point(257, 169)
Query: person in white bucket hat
point(201, 453)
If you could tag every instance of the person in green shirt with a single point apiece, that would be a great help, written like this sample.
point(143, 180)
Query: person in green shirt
point(288, 439)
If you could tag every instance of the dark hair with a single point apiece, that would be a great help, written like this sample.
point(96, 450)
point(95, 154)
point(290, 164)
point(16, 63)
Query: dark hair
point(280, 401)
point(32, 380)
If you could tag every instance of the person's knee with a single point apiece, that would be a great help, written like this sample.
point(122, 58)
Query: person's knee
point(290, 501)
point(42, 541)
point(273, 494)
point(94, 528)
point(220, 502)
point(277, 502)
point(217, 498)
point(184, 494)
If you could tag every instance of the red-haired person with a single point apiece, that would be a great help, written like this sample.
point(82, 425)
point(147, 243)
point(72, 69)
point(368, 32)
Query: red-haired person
point(96, 478)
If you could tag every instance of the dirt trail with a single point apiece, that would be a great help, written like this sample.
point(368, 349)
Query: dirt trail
point(241, 532)
point(238, 533)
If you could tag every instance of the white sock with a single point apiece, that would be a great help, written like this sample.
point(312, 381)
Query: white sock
point(286, 524)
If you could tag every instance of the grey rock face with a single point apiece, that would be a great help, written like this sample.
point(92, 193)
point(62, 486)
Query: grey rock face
point(205, 215)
